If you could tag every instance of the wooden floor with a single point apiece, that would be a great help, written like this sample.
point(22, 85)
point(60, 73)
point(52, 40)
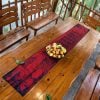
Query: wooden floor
point(60, 77)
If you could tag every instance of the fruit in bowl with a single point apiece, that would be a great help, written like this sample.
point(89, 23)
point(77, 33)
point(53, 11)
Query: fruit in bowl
point(56, 50)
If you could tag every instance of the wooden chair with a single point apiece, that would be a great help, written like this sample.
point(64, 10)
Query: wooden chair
point(92, 22)
point(10, 15)
point(42, 12)
point(90, 88)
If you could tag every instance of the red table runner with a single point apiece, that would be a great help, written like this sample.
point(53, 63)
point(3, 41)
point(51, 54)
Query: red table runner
point(25, 76)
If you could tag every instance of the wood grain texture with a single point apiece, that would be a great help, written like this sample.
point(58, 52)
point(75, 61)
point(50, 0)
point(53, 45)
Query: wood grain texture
point(42, 21)
point(96, 94)
point(6, 41)
point(88, 86)
point(61, 76)
point(9, 15)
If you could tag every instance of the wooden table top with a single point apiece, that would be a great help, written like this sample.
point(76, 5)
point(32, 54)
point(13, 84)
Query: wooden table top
point(59, 79)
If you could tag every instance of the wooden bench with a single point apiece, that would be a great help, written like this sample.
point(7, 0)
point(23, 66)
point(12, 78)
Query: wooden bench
point(10, 15)
point(92, 22)
point(42, 12)
point(90, 88)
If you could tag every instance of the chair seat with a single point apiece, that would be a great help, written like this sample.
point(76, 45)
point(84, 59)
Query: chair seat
point(11, 38)
point(42, 21)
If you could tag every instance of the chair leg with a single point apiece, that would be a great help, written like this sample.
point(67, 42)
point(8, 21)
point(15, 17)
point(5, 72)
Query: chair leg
point(56, 21)
point(97, 63)
point(26, 27)
point(27, 38)
point(35, 32)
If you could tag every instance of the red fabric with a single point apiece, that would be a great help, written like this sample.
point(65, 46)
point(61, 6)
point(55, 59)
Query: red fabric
point(25, 76)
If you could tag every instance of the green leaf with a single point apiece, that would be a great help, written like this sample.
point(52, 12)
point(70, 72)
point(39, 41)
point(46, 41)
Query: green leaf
point(19, 62)
point(48, 97)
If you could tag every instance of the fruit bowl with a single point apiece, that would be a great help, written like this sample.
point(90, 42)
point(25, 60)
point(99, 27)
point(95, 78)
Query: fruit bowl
point(56, 50)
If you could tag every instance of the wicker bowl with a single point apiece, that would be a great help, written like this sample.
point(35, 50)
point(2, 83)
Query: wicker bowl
point(56, 50)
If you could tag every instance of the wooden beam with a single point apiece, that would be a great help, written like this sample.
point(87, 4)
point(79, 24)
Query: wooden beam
point(0, 16)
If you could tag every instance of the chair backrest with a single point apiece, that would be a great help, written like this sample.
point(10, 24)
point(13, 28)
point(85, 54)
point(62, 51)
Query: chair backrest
point(45, 5)
point(34, 8)
point(91, 22)
point(9, 15)
point(29, 9)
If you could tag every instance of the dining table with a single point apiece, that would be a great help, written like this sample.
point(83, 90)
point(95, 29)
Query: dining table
point(58, 80)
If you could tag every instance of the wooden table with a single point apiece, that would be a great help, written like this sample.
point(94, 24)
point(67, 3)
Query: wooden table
point(60, 77)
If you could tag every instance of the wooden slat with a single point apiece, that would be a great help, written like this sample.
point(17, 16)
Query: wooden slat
point(33, 7)
point(3, 11)
point(44, 1)
point(96, 94)
point(29, 13)
point(8, 15)
point(88, 85)
point(8, 21)
point(29, 9)
point(46, 5)
point(31, 3)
